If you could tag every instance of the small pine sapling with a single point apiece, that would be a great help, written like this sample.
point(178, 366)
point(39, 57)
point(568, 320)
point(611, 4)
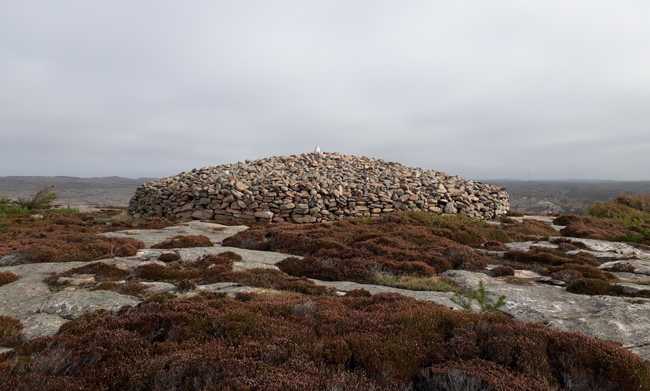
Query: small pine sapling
point(487, 306)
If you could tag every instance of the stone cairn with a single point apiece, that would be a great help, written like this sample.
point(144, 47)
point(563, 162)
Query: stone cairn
point(311, 188)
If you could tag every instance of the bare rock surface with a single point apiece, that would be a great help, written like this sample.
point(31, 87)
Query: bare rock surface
point(215, 232)
point(529, 297)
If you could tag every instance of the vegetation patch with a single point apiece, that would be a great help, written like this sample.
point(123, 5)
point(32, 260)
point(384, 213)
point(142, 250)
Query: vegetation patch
point(252, 342)
point(8, 278)
point(9, 331)
point(169, 257)
point(415, 283)
point(64, 210)
point(127, 288)
point(186, 241)
point(63, 238)
point(532, 227)
point(401, 243)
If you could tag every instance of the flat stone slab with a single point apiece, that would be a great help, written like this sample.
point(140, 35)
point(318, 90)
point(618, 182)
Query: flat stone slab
point(250, 258)
point(41, 325)
point(215, 232)
point(70, 305)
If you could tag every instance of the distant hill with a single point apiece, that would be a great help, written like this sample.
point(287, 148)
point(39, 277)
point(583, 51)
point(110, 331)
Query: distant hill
point(113, 191)
point(570, 196)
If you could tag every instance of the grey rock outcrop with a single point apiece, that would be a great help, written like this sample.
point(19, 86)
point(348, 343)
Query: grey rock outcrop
point(311, 188)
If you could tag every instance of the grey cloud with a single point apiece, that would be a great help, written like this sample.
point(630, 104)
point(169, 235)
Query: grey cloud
point(482, 90)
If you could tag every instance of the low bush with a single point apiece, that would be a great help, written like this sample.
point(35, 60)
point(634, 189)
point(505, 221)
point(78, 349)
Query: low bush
point(231, 255)
point(127, 288)
point(250, 342)
point(502, 270)
point(495, 246)
point(640, 202)
point(9, 331)
point(8, 278)
point(589, 286)
point(485, 304)
point(169, 257)
point(619, 212)
point(42, 199)
point(590, 227)
point(13, 209)
point(348, 249)
point(624, 267)
point(186, 241)
point(415, 283)
point(58, 247)
point(64, 210)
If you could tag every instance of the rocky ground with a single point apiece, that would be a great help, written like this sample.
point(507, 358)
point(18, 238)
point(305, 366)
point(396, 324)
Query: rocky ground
point(529, 297)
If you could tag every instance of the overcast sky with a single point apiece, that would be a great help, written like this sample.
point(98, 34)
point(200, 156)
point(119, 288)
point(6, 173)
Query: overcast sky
point(480, 89)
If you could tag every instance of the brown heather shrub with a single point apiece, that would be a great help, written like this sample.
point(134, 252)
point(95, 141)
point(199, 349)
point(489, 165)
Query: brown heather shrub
point(348, 249)
point(502, 271)
point(211, 269)
point(231, 255)
point(186, 241)
point(101, 270)
point(383, 342)
point(639, 202)
point(186, 285)
point(567, 275)
point(532, 227)
point(155, 272)
point(591, 227)
point(585, 270)
point(155, 223)
point(624, 267)
point(8, 278)
point(358, 293)
point(566, 247)
point(169, 257)
point(127, 288)
point(589, 286)
point(9, 331)
point(538, 255)
point(495, 246)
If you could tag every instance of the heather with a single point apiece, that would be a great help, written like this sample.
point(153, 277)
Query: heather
point(417, 243)
point(69, 238)
point(252, 342)
point(626, 220)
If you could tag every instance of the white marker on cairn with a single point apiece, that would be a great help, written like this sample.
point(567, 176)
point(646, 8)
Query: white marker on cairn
point(317, 149)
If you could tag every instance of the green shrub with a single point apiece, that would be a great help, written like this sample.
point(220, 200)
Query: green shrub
point(619, 212)
point(2, 219)
point(487, 306)
point(13, 209)
point(43, 198)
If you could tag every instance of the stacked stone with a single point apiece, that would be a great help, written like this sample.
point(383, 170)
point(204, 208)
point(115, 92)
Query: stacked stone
point(311, 188)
